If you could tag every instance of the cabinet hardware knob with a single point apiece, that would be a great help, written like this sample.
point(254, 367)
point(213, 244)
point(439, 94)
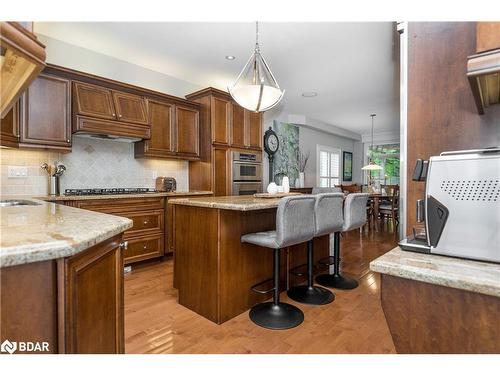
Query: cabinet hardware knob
point(68, 140)
point(124, 245)
point(145, 247)
point(114, 114)
point(146, 222)
point(120, 116)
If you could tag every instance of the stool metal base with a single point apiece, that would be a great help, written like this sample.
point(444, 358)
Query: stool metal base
point(336, 281)
point(311, 295)
point(280, 316)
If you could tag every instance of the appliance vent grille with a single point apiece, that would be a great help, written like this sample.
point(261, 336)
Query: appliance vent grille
point(472, 190)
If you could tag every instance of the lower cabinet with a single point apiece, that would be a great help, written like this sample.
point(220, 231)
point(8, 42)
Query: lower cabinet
point(146, 239)
point(69, 305)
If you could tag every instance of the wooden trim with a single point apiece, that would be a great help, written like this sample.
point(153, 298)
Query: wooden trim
point(22, 40)
point(116, 85)
point(208, 91)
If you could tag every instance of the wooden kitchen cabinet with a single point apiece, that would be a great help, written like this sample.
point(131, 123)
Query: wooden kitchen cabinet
point(224, 126)
point(487, 36)
point(92, 100)
point(238, 126)
point(187, 135)
point(75, 303)
point(93, 294)
point(130, 108)
point(146, 237)
point(220, 119)
point(175, 132)
point(253, 133)
point(161, 120)
point(42, 116)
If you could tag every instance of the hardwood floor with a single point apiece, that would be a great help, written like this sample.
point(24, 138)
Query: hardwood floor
point(353, 323)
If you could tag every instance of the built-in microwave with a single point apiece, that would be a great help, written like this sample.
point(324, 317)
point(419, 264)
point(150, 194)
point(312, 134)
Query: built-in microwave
point(246, 188)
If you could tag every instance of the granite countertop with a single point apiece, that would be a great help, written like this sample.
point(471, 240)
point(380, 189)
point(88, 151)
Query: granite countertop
point(50, 231)
point(55, 198)
point(237, 203)
point(471, 275)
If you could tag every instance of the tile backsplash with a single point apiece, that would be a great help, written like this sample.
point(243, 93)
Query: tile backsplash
point(93, 163)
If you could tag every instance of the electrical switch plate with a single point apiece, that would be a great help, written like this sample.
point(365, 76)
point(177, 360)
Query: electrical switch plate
point(17, 171)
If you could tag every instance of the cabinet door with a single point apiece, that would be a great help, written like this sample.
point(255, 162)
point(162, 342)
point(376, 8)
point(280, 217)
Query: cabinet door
point(130, 108)
point(221, 172)
point(9, 127)
point(187, 131)
point(161, 119)
point(46, 109)
point(237, 125)
point(254, 130)
point(220, 110)
point(93, 101)
point(94, 299)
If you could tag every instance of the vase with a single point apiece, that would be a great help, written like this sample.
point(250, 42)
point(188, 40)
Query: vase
point(286, 184)
point(301, 179)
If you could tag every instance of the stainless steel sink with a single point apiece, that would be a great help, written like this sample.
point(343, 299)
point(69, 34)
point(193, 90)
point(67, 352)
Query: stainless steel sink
point(17, 202)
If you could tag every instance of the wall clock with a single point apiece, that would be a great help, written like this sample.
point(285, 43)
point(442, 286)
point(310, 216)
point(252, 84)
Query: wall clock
point(271, 145)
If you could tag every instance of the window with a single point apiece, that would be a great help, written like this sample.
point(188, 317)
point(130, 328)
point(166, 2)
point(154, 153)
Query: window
point(328, 160)
point(387, 156)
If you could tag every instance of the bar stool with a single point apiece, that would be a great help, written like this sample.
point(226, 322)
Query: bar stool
point(354, 217)
point(328, 219)
point(294, 225)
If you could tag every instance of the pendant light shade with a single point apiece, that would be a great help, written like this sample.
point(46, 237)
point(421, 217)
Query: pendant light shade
point(371, 166)
point(256, 88)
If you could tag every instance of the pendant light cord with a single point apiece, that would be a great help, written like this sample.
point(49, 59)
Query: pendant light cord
point(257, 48)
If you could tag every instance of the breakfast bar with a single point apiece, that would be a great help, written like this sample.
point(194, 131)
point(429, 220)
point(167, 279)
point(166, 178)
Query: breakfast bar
point(214, 271)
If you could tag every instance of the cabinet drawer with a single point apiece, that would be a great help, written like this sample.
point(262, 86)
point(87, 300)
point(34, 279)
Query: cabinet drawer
point(144, 248)
point(122, 205)
point(144, 222)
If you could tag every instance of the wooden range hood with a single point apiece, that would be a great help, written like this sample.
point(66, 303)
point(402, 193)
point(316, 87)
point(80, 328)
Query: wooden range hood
point(22, 58)
point(483, 71)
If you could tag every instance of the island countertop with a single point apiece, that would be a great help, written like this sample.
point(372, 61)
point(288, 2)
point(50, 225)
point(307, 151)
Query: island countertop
point(50, 231)
point(471, 275)
point(236, 203)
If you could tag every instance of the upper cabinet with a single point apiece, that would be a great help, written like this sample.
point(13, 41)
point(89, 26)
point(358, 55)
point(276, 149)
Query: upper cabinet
point(220, 119)
point(228, 124)
point(175, 132)
point(130, 108)
point(42, 116)
point(22, 58)
point(483, 68)
point(187, 133)
point(92, 100)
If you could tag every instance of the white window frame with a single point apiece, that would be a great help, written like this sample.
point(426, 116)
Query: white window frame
point(319, 149)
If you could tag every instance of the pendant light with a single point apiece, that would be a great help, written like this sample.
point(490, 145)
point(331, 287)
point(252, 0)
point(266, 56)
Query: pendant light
point(371, 166)
point(256, 88)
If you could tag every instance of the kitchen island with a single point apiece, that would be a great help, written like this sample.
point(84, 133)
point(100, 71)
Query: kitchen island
point(438, 304)
point(61, 277)
point(214, 271)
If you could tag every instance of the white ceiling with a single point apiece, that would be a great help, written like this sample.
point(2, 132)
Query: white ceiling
point(352, 66)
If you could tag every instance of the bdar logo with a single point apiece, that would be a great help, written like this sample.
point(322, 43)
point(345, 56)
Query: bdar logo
point(8, 346)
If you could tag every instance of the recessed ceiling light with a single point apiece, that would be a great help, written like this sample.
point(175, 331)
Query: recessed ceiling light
point(230, 57)
point(309, 94)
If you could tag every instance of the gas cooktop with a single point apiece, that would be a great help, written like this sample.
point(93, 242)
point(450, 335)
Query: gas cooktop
point(113, 191)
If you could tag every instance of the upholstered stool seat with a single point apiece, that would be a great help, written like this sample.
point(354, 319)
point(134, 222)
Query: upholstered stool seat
point(294, 224)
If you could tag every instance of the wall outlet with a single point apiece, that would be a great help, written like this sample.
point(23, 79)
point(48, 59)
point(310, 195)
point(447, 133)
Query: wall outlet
point(154, 174)
point(17, 172)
